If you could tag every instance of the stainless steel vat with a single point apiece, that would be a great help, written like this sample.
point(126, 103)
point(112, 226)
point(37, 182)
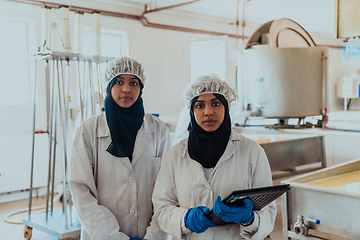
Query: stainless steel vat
point(337, 209)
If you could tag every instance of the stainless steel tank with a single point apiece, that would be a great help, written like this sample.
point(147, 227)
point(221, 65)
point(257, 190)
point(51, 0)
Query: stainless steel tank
point(286, 82)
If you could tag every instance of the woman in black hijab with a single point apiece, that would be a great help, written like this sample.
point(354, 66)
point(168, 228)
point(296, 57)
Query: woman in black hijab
point(115, 160)
point(214, 161)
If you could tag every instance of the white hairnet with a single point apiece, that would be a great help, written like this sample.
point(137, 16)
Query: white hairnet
point(124, 65)
point(208, 84)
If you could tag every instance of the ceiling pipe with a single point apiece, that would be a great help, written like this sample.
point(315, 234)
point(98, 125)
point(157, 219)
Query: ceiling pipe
point(243, 21)
point(241, 50)
point(140, 18)
point(78, 9)
point(147, 23)
point(169, 7)
point(245, 93)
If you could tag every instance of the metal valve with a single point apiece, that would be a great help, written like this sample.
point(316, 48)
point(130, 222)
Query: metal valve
point(300, 228)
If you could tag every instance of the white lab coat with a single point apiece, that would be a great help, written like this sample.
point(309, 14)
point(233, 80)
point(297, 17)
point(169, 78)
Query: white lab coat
point(181, 184)
point(181, 131)
point(112, 195)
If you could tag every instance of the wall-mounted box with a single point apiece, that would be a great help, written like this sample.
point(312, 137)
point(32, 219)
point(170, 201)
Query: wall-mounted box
point(347, 18)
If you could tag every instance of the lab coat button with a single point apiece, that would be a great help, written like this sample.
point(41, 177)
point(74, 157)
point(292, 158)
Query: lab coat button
point(131, 181)
point(208, 188)
point(132, 212)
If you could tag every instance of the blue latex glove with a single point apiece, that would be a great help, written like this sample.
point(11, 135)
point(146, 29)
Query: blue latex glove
point(236, 214)
point(135, 238)
point(196, 221)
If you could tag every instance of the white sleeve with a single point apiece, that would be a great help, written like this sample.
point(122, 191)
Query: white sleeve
point(166, 206)
point(181, 131)
point(165, 143)
point(154, 232)
point(98, 221)
point(265, 218)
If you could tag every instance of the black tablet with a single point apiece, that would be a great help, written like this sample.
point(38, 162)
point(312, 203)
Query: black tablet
point(260, 197)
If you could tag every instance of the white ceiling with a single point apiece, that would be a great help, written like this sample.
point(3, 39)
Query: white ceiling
point(313, 15)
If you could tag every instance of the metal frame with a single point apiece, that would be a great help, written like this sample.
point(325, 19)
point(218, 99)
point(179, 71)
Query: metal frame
point(58, 64)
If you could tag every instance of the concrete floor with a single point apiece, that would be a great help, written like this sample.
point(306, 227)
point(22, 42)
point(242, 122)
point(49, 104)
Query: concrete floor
point(15, 231)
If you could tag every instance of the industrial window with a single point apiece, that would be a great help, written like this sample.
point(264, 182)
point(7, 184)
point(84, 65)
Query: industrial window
point(208, 56)
point(16, 88)
point(114, 43)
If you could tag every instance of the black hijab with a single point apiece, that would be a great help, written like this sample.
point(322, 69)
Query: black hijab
point(123, 123)
point(208, 147)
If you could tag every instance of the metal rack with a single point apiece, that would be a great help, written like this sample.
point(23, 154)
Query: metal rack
point(62, 224)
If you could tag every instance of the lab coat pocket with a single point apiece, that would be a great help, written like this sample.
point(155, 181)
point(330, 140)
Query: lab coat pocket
point(153, 167)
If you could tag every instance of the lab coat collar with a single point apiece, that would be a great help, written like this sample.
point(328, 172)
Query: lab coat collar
point(230, 148)
point(142, 137)
point(104, 131)
point(149, 125)
point(229, 151)
point(234, 135)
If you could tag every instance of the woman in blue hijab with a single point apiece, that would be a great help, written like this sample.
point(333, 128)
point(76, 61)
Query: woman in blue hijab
point(115, 160)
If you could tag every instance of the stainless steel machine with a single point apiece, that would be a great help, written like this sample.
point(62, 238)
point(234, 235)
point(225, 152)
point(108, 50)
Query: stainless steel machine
point(285, 73)
point(286, 82)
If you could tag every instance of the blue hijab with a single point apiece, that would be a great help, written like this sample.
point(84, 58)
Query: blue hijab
point(123, 123)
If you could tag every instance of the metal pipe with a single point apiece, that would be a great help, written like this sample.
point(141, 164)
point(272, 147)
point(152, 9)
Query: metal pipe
point(49, 129)
point(236, 53)
point(47, 86)
point(100, 91)
point(52, 140)
point(70, 207)
point(46, 29)
point(65, 29)
point(62, 98)
point(65, 139)
point(141, 18)
point(67, 99)
point(33, 146)
point(243, 56)
point(243, 21)
point(91, 83)
point(78, 33)
point(242, 52)
point(170, 7)
point(80, 90)
point(324, 88)
point(86, 87)
point(147, 23)
point(96, 33)
point(54, 155)
point(66, 84)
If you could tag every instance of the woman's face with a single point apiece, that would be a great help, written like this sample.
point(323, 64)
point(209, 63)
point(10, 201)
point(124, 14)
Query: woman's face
point(126, 90)
point(209, 112)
